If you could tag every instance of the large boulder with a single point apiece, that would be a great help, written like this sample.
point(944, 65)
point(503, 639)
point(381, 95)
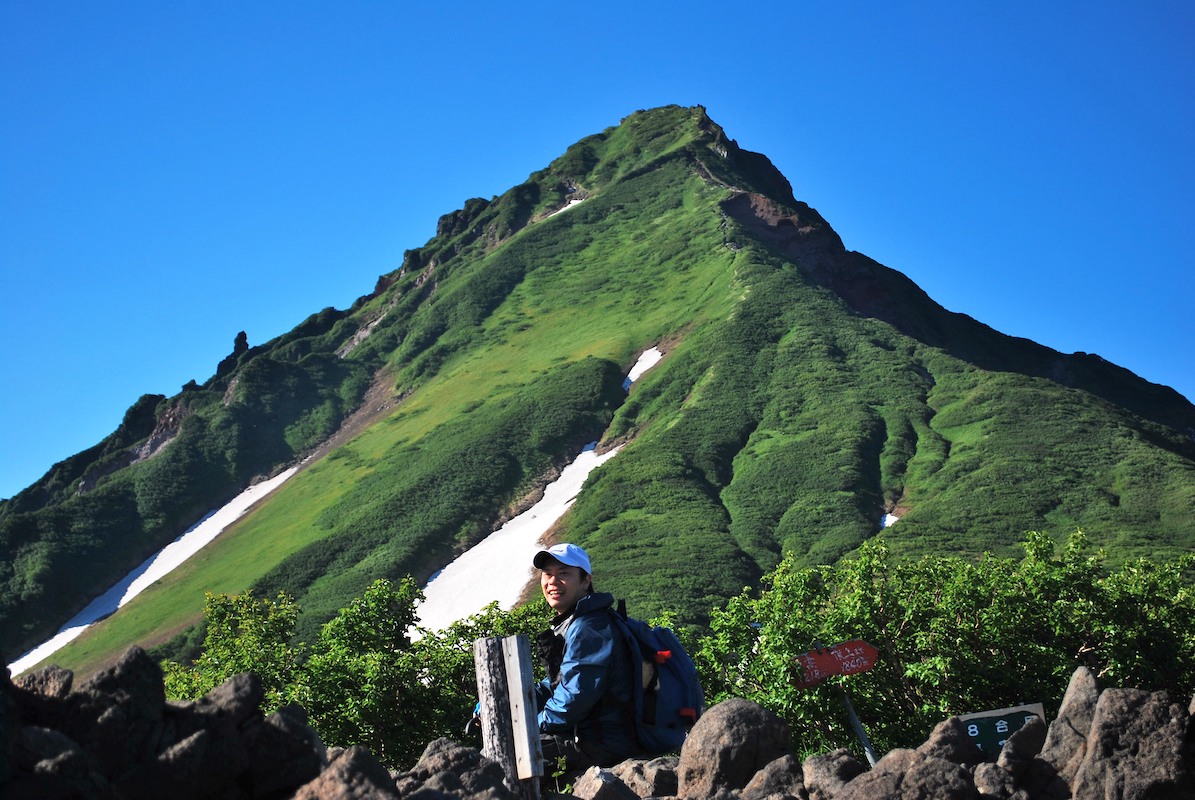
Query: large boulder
point(826, 775)
point(354, 774)
point(1135, 748)
point(454, 770)
point(115, 737)
point(602, 784)
point(781, 779)
point(1066, 742)
point(910, 775)
point(652, 778)
point(949, 741)
point(730, 743)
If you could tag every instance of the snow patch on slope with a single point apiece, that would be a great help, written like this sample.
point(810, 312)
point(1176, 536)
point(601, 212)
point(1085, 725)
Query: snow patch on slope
point(153, 569)
point(498, 568)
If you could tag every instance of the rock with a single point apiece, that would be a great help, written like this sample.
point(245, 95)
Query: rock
point(116, 716)
point(938, 778)
point(1042, 782)
point(50, 765)
point(781, 778)
point(898, 761)
point(135, 674)
point(51, 681)
point(949, 741)
point(1066, 740)
point(448, 768)
point(654, 778)
point(354, 775)
point(200, 766)
point(730, 743)
point(992, 781)
point(283, 752)
point(928, 777)
point(602, 784)
point(1022, 747)
point(228, 708)
point(39, 745)
point(1138, 746)
point(868, 786)
point(116, 738)
point(826, 775)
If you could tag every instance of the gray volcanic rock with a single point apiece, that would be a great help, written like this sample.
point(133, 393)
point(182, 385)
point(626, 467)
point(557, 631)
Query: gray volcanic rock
point(117, 738)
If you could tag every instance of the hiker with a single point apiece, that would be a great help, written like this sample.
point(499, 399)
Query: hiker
point(584, 702)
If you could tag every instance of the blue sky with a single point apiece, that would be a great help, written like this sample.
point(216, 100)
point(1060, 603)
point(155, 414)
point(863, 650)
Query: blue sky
point(173, 173)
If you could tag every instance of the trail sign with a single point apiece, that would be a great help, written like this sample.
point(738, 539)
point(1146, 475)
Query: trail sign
point(991, 729)
point(845, 658)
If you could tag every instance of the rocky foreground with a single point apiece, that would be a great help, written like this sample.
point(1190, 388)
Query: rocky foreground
point(116, 737)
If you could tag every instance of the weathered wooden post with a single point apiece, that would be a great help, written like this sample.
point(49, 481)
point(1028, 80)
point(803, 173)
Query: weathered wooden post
point(509, 733)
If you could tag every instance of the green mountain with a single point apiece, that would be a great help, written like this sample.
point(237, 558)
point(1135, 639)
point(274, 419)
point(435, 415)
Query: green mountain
point(806, 392)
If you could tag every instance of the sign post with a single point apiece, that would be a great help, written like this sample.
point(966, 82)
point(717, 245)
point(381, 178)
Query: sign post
point(845, 658)
point(507, 712)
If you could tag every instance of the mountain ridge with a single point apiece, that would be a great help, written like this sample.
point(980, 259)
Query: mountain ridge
point(810, 391)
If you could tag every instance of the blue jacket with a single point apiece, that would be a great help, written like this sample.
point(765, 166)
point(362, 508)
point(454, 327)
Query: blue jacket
point(591, 694)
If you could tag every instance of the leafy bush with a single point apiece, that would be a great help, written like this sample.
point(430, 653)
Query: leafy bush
point(954, 636)
point(244, 634)
point(364, 681)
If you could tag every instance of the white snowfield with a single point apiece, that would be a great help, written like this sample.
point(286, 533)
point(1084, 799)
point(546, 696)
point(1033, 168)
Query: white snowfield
point(498, 568)
point(153, 568)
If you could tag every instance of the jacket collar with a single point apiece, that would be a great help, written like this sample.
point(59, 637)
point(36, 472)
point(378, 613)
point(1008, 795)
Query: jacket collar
point(587, 604)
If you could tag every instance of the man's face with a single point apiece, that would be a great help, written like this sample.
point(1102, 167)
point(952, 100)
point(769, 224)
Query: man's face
point(562, 585)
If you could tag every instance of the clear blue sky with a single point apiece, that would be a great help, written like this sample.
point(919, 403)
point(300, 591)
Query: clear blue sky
point(174, 172)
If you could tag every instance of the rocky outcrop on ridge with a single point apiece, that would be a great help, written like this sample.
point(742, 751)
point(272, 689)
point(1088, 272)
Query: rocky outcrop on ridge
point(116, 737)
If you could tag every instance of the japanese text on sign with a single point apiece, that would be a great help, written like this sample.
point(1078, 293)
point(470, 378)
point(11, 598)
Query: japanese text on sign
point(989, 730)
point(846, 658)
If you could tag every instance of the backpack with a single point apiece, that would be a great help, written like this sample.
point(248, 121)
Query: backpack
point(667, 699)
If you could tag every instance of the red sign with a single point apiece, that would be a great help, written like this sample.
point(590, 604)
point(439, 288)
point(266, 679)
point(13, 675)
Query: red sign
point(846, 658)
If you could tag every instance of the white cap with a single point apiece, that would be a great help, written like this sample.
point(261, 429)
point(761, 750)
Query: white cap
point(568, 554)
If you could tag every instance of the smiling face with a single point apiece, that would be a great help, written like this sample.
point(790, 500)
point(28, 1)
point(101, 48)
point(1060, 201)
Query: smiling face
point(563, 586)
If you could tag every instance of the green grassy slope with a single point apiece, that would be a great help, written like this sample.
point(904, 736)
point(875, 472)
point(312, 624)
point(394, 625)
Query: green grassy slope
point(806, 391)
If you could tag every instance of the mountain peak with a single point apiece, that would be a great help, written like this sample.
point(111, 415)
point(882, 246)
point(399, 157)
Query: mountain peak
point(806, 393)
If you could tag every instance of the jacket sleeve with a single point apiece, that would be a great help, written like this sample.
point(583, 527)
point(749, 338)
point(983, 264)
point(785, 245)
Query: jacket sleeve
point(589, 646)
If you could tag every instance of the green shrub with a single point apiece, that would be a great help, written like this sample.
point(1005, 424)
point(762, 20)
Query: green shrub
point(954, 636)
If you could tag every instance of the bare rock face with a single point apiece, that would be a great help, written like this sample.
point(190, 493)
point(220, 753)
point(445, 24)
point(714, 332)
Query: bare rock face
point(730, 743)
point(1135, 748)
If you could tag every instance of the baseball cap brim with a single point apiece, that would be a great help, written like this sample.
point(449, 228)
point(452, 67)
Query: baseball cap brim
point(568, 554)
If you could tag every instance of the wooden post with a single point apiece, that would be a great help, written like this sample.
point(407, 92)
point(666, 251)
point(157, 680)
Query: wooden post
point(509, 734)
